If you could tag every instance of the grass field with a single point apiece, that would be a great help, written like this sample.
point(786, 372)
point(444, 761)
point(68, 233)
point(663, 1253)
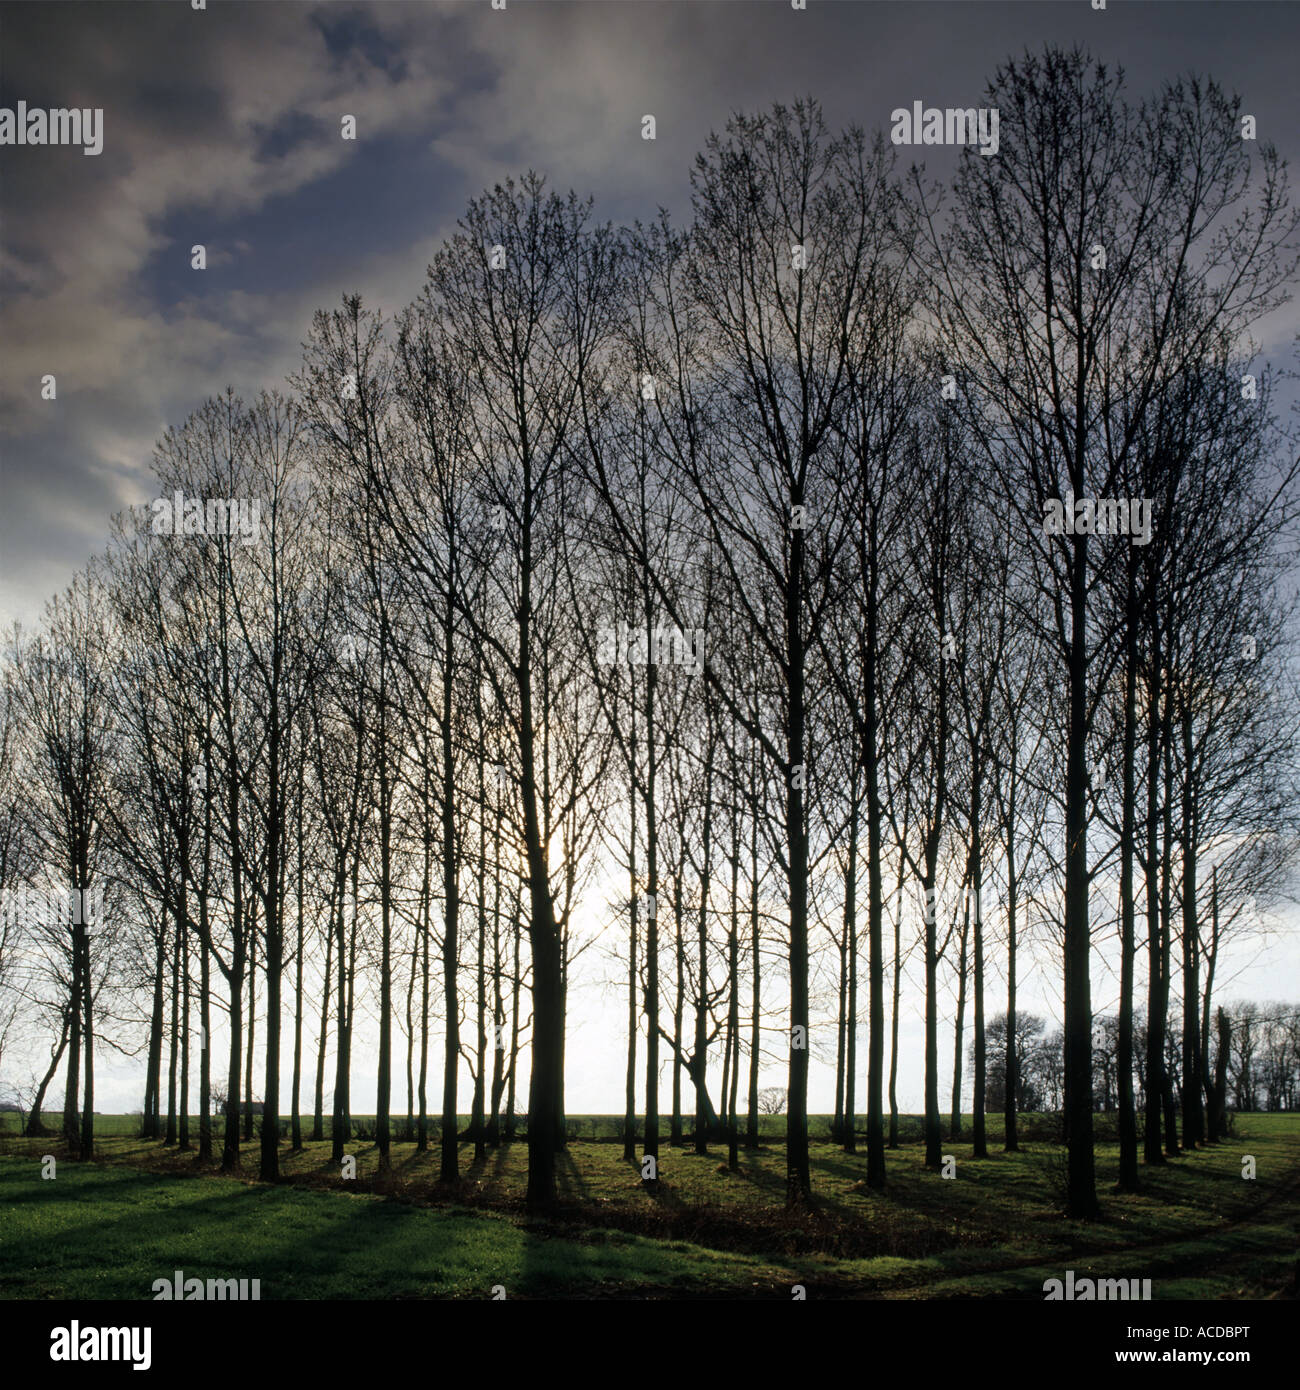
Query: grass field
point(110, 1228)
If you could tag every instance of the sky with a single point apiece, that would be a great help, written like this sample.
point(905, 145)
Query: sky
point(222, 128)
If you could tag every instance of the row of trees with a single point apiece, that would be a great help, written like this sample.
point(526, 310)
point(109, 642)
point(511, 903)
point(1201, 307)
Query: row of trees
point(1257, 1069)
point(779, 581)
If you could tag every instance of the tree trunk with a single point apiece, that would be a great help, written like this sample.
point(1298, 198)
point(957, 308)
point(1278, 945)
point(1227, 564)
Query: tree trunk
point(679, 1006)
point(1128, 1141)
point(959, 1027)
point(1213, 1131)
point(1219, 1128)
point(893, 1014)
point(252, 1023)
point(174, 1033)
point(798, 1175)
point(477, 1118)
point(34, 1128)
point(449, 1167)
point(755, 997)
point(650, 1149)
point(1011, 1138)
point(1081, 1177)
point(849, 999)
point(384, 1076)
point(1152, 1152)
point(629, 1078)
point(1193, 1114)
point(322, 1041)
point(296, 1098)
point(87, 1148)
point(705, 1122)
point(875, 915)
point(184, 1128)
point(1167, 926)
point(979, 1136)
point(149, 1124)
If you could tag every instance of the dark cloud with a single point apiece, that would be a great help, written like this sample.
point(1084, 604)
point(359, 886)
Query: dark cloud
point(221, 127)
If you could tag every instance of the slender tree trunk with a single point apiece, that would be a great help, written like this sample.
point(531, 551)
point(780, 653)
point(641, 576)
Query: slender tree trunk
point(1220, 1104)
point(296, 1098)
point(543, 930)
point(243, 934)
point(733, 991)
point(411, 977)
point(173, 1052)
point(449, 1168)
point(1193, 1113)
point(1081, 1176)
point(1153, 1153)
point(252, 1022)
point(322, 1042)
point(230, 1145)
point(755, 977)
point(149, 1127)
point(1167, 926)
point(87, 1151)
point(477, 1121)
point(798, 1174)
point(1213, 1127)
point(841, 1012)
point(1011, 1141)
point(875, 913)
point(498, 1002)
point(426, 913)
point(34, 1128)
point(849, 1003)
point(561, 1123)
point(933, 1134)
point(959, 1027)
point(384, 1079)
point(650, 1149)
point(893, 1015)
point(629, 1078)
point(699, 1061)
point(1128, 1140)
point(979, 1137)
point(184, 1132)
point(679, 1007)
point(205, 975)
point(933, 1139)
point(340, 1122)
point(515, 987)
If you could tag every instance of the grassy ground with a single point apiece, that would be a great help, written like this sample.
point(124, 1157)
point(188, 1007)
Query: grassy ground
point(109, 1229)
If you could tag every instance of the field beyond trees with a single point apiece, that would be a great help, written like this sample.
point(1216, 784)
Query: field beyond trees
point(108, 1229)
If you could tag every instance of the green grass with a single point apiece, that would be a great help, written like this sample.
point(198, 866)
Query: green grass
point(108, 1232)
point(109, 1229)
point(592, 1127)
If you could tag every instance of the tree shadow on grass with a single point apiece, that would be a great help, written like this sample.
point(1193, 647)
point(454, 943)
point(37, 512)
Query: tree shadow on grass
point(569, 1180)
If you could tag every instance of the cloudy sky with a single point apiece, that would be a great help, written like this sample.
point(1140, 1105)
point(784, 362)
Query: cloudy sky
point(221, 127)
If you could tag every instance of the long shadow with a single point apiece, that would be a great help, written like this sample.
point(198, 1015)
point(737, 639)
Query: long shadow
point(763, 1176)
point(569, 1180)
